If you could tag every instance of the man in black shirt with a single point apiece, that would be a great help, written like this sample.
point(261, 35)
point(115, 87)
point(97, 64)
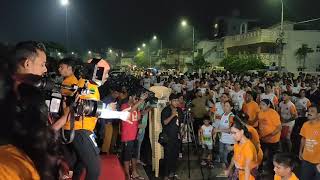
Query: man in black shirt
point(171, 117)
point(313, 94)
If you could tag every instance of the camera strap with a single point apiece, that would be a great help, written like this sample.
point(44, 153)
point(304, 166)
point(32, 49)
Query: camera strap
point(72, 133)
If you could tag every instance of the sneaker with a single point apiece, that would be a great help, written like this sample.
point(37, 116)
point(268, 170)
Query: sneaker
point(180, 155)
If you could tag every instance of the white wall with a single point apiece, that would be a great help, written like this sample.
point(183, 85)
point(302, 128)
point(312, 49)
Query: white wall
point(295, 41)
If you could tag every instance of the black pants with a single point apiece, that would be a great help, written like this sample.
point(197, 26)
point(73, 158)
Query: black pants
point(171, 153)
point(295, 136)
point(269, 150)
point(87, 155)
point(309, 171)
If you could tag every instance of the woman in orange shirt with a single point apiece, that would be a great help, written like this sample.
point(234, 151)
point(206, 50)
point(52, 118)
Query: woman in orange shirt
point(255, 139)
point(245, 158)
point(269, 131)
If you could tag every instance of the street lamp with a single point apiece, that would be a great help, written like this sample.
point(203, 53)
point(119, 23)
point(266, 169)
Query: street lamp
point(89, 52)
point(72, 53)
point(280, 40)
point(184, 24)
point(143, 45)
point(110, 50)
point(65, 3)
point(156, 38)
point(138, 49)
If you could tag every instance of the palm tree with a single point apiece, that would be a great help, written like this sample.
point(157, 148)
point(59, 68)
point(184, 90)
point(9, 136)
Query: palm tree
point(302, 54)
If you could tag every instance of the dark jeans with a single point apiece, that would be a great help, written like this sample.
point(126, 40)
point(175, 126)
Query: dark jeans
point(171, 153)
point(269, 150)
point(87, 154)
point(295, 136)
point(197, 123)
point(309, 171)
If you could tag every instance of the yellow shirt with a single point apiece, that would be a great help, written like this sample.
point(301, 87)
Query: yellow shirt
point(16, 165)
point(87, 123)
point(293, 177)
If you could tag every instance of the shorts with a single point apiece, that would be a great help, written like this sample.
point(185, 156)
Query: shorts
point(287, 129)
point(129, 150)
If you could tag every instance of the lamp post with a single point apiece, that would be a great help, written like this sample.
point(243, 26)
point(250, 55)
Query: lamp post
point(155, 38)
point(281, 39)
point(184, 24)
point(65, 3)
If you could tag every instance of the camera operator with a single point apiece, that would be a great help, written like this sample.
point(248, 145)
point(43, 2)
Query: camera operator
point(129, 131)
point(27, 147)
point(171, 116)
point(29, 57)
point(84, 143)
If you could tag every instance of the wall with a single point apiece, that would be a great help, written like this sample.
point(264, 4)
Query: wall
point(295, 41)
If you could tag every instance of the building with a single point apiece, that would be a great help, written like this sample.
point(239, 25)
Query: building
point(263, 42)
point(229, 26)
point(212, 51)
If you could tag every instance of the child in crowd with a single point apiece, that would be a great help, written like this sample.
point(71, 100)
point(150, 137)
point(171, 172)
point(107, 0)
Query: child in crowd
point(283, 167)
point(207, 139)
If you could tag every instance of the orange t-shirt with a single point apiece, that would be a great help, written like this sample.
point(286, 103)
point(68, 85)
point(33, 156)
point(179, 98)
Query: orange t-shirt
point(242, 153)
point(88, 123)
point(251, 109)
point(69, 81)
point(268, 122)
point(256, 142)
point(16, 165)
point(311, 132)
point(293, 177)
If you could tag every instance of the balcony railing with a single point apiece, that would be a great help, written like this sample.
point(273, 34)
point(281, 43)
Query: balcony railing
point(254, 37)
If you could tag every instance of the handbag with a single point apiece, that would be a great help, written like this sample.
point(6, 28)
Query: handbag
point(163, 138)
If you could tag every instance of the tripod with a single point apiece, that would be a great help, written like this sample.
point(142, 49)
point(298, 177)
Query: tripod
point(187, 121)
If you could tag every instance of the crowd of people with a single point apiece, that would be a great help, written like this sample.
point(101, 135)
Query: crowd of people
point(251, 124)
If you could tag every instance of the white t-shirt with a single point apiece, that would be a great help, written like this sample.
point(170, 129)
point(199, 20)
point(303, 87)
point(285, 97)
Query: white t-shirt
point(302, 105)
point(226, 138)
point(177, 88)
point(207, 134)
point(286, 109)
point(190, 85)
point(272, 97)
point(238, 98)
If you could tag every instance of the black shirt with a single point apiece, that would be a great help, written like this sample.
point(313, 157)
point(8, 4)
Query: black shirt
point(172, 129)
point(313, 97)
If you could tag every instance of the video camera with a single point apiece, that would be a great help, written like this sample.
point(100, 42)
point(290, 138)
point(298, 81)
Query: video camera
point(81, 107)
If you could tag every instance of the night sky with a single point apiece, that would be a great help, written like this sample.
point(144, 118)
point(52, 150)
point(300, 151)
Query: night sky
point(126, 24)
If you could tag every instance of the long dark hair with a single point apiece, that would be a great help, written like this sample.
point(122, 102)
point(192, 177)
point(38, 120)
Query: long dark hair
point(238, 124)
point(25, 125)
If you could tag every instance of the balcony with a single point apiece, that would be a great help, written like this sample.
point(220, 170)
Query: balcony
point(254, 37)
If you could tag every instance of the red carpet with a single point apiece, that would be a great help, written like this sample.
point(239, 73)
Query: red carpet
point(111, 168)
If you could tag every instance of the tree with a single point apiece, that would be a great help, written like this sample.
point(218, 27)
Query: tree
point(141, 59)
point(302, 54)
point(242, 63)
point(200, 62)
